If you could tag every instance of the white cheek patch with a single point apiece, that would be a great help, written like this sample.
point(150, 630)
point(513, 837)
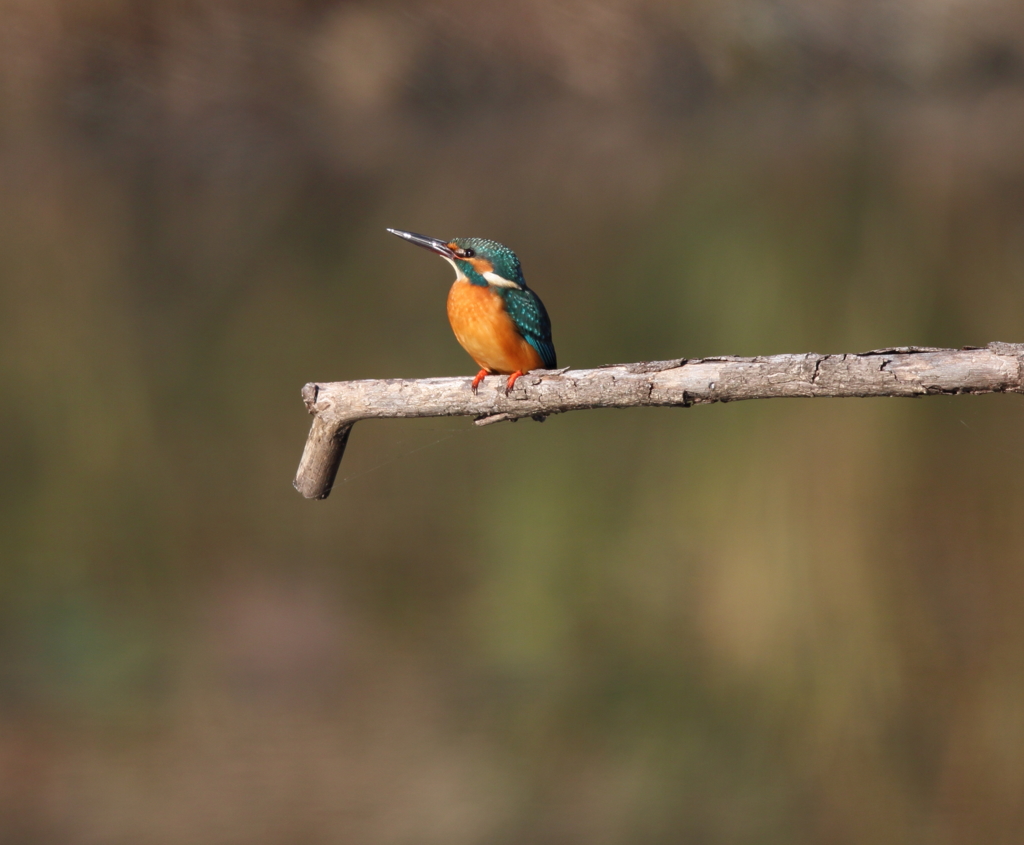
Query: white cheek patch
point(498, 281)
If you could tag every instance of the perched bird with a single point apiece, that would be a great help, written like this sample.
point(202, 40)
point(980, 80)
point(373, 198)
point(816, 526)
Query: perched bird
point(499, 321)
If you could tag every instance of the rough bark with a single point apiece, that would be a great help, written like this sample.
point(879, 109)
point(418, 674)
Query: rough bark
point(900, 371)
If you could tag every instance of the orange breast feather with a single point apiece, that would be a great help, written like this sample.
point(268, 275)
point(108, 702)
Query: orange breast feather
point(486, 331)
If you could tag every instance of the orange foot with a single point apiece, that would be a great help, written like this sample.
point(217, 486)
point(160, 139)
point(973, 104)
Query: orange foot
point(512, 380)
point(479, 378)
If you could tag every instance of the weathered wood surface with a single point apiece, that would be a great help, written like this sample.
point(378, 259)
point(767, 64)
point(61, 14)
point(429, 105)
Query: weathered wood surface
point(900, 371)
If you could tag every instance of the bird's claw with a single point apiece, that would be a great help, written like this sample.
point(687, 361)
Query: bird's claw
point(475, 386)
point(512, 380)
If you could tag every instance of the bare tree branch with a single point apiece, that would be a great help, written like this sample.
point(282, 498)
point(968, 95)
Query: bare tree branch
point(900, 371)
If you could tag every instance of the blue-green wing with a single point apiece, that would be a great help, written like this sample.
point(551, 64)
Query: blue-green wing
point(531, 318)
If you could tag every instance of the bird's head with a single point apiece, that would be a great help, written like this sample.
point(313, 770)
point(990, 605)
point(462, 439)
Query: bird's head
point(480, 261)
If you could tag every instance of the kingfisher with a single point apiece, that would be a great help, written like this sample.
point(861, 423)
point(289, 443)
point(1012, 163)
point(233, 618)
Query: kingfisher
point(499, 321)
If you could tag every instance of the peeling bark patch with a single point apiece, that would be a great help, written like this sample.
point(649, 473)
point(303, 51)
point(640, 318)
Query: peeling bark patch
point(817, 370)
point(884, 368)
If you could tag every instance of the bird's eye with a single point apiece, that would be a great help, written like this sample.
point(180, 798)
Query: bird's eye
point(465, 253)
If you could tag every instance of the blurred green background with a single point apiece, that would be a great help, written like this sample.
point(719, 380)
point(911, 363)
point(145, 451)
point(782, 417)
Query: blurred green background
point(752, 623)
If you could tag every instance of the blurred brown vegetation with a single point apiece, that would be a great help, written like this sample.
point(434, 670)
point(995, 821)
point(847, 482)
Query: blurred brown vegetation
point(790, 622)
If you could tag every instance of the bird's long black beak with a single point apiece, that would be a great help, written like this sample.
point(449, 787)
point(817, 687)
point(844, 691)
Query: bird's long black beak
point(433, 244)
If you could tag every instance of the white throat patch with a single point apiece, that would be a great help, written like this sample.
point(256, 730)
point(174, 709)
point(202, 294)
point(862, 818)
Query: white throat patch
point(458, 273)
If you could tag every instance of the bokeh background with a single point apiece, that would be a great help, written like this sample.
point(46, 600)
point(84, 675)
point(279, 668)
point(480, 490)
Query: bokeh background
point(767, 622)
